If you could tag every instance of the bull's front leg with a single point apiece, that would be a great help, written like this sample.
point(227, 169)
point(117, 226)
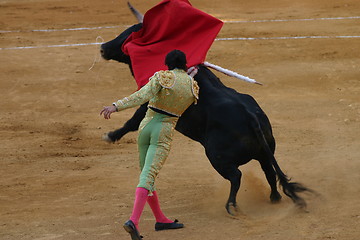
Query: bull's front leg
point(131, 125)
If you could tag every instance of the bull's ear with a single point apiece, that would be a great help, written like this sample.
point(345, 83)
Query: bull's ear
point(138, 15)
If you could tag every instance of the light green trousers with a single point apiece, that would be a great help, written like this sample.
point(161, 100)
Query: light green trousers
point(154, 141)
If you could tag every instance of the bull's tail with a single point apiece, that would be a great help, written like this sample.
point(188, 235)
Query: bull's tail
point(291, 189)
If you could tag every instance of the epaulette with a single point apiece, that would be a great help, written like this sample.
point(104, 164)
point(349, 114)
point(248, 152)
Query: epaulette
point(166, 79)
point(195, 90)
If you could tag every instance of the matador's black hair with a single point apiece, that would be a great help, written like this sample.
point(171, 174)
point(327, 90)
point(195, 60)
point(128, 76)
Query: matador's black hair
point(176, 59)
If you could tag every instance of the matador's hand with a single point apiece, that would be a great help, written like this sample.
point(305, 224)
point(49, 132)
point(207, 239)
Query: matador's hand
point(107, 111)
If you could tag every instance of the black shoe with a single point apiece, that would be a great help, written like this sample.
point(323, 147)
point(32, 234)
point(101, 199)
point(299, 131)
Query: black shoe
point(130, 227)
point(165, 226)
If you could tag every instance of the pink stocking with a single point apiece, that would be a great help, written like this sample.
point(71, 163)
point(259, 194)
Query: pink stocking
point(155, 207)
point(141, 196)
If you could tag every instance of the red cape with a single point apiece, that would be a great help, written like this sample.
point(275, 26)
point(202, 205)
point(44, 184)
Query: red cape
point(171, 24)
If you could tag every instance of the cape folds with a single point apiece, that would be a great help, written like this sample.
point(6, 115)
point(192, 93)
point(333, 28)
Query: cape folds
point(171, 24)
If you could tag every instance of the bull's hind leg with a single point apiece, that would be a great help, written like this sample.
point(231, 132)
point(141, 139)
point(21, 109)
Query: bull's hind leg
point(270, 174)
point(233, 174)
point(227, 166)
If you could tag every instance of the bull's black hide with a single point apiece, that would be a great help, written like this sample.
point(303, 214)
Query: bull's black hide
point(231, 126)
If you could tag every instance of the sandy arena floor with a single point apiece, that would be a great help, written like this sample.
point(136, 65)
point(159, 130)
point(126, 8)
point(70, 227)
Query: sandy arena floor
point(59, 180)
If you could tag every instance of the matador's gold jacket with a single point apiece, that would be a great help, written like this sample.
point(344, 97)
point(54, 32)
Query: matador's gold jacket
point(171, 91)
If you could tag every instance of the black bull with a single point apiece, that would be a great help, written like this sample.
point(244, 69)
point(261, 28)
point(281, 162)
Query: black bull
point(231, 126)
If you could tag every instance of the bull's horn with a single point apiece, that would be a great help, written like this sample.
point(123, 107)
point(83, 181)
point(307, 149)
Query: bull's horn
point(137, 14)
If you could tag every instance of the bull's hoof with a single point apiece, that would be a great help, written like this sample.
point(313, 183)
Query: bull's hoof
point(106, 138)
point(275, 197)
point(232, 209)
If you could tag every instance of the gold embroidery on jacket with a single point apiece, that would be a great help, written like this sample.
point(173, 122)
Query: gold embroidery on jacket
point(195, 90)
point(172, 91)
point(166, 79)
